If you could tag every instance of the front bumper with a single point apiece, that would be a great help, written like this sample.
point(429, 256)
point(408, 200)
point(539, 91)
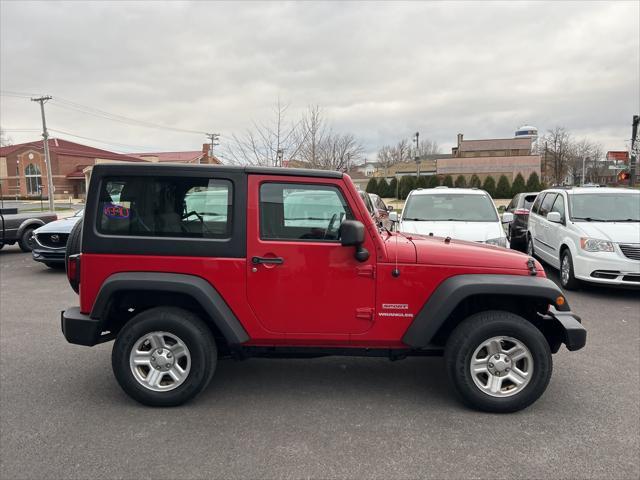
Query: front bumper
point(567, 328)
point(607, 268)
point(80, 329)
point(48, 255)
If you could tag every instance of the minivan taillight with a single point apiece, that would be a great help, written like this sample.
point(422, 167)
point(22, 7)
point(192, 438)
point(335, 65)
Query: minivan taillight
point(521, 211)
point(73, 271)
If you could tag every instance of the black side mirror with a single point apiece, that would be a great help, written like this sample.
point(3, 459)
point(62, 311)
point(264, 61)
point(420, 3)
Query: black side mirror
point(352, 235)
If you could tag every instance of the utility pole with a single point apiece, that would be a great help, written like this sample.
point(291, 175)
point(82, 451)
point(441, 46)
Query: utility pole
point(214, 140)
point(417, 156)
point(633, 157)
point(47, 158)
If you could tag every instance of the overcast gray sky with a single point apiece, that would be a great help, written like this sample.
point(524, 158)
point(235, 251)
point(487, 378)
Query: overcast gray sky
point(379, 70)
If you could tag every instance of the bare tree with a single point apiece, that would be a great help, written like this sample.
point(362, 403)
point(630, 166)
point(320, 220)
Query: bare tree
point(557, 153)
point(265, 143)
point(386, 159)
point(339, 152)
point(427, 147)
point(312, 136)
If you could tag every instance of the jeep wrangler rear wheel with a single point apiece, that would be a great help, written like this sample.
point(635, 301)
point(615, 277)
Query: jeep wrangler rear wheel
point(164, 356)
point(498, 361)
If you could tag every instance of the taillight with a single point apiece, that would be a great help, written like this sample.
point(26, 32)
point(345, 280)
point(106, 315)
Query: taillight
point(73, 270)
point(521, 211)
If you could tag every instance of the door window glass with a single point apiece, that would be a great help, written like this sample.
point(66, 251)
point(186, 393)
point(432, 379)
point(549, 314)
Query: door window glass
point(301, 212)
point(536, 204)
point(558, 206)
point(545, 206)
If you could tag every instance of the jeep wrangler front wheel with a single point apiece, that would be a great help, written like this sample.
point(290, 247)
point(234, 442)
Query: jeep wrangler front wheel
point(498, 361)
point(164, 356)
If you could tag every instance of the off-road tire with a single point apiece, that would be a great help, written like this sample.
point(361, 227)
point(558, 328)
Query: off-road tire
point(26, 239)
point(480, 327)
point(570, 282)
point(181, 323)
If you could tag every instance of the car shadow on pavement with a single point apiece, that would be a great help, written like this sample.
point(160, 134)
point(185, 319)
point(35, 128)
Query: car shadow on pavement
point(333, 378)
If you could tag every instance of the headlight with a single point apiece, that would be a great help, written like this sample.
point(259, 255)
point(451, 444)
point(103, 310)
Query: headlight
point(500, 241)
point(595, 245)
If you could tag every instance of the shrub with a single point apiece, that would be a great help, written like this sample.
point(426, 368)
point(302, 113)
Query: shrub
point(474, 182)
point(518, 185)
point(372, 186)
point(533, 183)
point(393, 188)
point(422, 182)
point(503, 190)
point(383, 188)
point(489, 185)
point(433, 181)
point(461, 182)
point(407, 183)
point(448, 181)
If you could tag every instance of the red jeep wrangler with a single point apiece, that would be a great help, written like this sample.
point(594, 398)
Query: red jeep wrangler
point(183, 265)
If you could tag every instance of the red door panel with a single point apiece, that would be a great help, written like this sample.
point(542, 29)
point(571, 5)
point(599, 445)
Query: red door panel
point(319, 289)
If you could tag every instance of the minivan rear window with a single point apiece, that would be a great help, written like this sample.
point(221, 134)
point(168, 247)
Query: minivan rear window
point(163, 206)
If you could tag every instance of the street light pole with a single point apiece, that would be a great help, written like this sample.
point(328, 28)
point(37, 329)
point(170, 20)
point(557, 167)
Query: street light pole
point(417, 156)
point(583, 159)
point(279, 155)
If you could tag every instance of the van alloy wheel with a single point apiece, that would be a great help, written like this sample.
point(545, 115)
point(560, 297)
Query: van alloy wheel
point(501, 366)
point(160, 361)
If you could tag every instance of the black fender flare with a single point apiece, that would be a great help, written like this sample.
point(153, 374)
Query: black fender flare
point(448, 295)
point(31, 222)
point(196, 287)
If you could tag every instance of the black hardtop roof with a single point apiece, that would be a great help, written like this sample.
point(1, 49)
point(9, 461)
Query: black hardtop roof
point(137, 168)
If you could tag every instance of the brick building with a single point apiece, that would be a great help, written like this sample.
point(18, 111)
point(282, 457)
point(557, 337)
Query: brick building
point(23, 171)
point(491, 157)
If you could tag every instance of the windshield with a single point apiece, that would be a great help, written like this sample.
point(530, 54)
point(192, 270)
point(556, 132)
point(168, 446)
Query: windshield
point(450, 207)
point(605, 207)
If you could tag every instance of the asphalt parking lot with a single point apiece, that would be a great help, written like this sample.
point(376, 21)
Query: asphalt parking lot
point(63, 415)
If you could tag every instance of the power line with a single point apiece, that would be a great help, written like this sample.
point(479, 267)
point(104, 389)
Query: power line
point(96, 112)
point(138, 147)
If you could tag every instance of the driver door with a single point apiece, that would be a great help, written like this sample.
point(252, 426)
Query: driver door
point(301, 281)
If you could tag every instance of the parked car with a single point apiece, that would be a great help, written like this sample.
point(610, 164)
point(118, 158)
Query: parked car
point(461, 213)
point(518, 219)
point(176, 292)
point(589, 234)
point(51, 241)
point(373, 211)
point(382, 211)
point(19, 227)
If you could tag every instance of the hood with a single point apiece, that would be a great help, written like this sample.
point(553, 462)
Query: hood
point(456, 253)
point(472, 231)
point(616, 232)
point(59, 226)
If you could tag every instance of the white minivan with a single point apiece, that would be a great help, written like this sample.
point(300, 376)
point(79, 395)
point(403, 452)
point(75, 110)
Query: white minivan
point(460, 213)
point(589, 234)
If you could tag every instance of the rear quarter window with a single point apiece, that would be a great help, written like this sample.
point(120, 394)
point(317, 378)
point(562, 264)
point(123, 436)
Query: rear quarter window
point(165, 206)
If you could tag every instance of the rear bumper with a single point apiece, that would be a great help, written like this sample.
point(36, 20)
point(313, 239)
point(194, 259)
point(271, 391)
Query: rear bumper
point(81, 329)
point(569, 328)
